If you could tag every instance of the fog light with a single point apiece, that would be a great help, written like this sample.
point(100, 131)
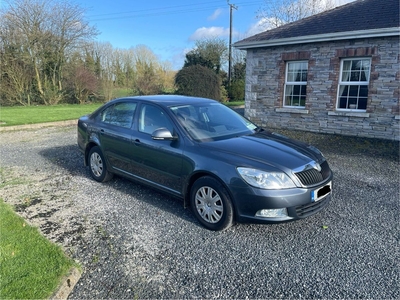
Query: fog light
point(272, 213)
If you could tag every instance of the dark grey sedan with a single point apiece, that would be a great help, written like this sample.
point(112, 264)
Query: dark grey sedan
point(223, 166)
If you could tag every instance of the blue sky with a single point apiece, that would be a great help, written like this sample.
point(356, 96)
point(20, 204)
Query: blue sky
point(170, 28)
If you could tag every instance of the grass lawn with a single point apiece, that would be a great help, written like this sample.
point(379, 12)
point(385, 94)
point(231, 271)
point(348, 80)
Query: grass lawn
point(30, 266)
point(234, 103)
point(20, 115)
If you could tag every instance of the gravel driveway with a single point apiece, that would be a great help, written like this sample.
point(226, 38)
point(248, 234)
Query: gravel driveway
point(133, 242)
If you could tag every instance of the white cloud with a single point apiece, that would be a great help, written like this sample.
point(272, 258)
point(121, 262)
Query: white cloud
point(264, 24)
point(215, 15)
point(257, 27)
point(209, 32)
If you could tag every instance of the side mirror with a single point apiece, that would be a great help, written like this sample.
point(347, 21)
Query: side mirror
point(163, 134)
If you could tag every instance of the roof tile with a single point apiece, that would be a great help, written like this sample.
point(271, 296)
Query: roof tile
point(355, 16)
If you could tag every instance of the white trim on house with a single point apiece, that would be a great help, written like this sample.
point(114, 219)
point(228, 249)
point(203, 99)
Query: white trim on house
point(335, 36)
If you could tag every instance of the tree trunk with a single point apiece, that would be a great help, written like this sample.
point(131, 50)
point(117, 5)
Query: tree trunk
point(39, 83)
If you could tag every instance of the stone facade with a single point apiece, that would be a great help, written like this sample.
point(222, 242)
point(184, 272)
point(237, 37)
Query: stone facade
point(265, 79)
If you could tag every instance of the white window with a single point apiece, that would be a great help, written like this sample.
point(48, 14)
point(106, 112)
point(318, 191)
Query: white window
point(296, 84)
point(353, 83)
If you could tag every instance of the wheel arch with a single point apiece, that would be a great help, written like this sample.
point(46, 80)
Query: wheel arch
point(198, 175)
point(89, 146)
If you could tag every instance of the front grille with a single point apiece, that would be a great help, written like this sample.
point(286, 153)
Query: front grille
point(306, 210)
point(313, 176)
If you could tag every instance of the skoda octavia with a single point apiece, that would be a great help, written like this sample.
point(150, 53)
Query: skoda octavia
point(223, 166)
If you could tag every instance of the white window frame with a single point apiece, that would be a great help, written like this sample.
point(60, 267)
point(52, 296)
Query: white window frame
point(293, 83)
point(345, 102)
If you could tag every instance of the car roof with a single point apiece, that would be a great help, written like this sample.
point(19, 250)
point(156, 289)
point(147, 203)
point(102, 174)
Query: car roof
point(168, 100)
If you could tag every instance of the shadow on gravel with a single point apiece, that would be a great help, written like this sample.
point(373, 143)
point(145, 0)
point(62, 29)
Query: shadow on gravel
point(143, 193)
point(70, 158)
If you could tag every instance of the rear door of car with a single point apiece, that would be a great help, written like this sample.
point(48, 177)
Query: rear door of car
point(157, 161)
point(116, 134)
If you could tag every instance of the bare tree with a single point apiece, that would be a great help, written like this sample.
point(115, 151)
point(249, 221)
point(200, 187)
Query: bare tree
point(238, 56)
point(16, 81)
point(167, 77)
point(148, 75)
point(16, 72)
point(48, 31)
point(80, 78)
point(84, 83)
point(128, 58)
point(137, 69)
point(277, 13)
point(104, 52)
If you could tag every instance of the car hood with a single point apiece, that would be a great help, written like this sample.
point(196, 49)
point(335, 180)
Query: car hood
point(267, 148)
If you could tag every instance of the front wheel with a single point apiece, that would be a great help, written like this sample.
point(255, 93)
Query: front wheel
point(211, 204)
point(97, 165)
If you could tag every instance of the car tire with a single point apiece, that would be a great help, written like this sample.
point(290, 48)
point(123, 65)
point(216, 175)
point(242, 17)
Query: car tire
point(97, 165)
point(211, 204)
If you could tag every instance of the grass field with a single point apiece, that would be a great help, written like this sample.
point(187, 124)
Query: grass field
point(30, 266)
point(22, 115)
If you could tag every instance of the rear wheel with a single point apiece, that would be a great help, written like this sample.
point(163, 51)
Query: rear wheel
point(211, 204)
point(97, 165)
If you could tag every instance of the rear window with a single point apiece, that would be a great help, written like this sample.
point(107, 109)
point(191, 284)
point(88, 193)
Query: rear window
point(119, 114)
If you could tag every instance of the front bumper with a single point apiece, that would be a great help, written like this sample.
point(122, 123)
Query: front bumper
point(299, 202)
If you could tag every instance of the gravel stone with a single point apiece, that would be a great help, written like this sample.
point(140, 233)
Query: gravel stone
point(134, 242)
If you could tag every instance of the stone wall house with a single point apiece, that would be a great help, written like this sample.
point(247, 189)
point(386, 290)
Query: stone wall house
point(334, 72)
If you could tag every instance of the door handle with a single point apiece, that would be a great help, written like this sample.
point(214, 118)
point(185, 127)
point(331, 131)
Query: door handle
point(136, 142)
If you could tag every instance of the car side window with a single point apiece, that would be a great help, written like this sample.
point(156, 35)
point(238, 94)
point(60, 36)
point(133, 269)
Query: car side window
point(106, 115)
point(120, 114)
point(152, 118)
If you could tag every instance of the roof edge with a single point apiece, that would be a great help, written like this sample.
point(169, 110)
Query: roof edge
point(335, 36)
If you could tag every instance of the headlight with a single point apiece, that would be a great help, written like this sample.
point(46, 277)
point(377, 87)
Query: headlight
point(266, 180)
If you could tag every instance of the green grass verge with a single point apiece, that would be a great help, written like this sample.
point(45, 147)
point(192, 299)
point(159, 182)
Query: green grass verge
point(21, 115)
point(30, 266)
point(234, 103)
point(122, 92)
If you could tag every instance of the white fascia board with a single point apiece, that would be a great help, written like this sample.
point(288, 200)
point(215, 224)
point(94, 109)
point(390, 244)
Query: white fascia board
point(335, 36)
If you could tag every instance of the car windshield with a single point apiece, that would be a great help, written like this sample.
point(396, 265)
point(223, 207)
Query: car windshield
point(212, 121)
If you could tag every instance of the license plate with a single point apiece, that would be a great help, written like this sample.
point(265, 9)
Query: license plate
point(320, 193)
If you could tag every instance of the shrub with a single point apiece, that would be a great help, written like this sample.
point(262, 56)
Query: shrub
point(198, 81)
point(236, 92)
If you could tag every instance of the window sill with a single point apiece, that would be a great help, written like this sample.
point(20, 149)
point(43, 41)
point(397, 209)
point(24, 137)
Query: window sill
point(349, 114)
point(292, 110)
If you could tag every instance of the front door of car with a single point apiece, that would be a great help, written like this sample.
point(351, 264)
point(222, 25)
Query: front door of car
point(116, 135)
point(156, 161)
